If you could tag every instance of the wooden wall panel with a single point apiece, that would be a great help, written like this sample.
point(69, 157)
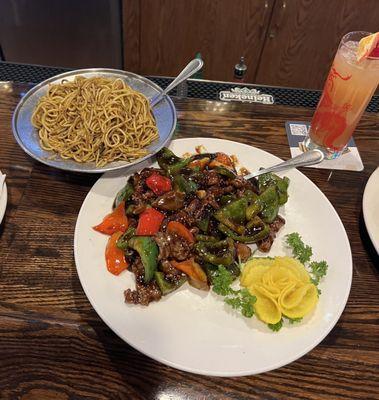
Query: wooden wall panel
point(304, 35)
point(173, 31)
point(69, 33)
point(131, 34)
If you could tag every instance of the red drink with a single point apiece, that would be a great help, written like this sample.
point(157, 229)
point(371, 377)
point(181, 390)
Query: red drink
point(347, 91)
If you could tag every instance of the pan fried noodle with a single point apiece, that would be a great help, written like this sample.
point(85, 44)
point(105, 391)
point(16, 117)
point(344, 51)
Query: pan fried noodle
point(95, 120)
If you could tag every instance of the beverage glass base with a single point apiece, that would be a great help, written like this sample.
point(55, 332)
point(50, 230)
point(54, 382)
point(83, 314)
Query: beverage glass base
point(329, 153)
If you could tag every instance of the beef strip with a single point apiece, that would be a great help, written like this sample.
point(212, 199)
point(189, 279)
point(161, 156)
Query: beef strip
point(180, 216)
point(172, 246)
point(138, 269)
point(212, 178)
point(142, 193)
point(217, 191)
point(170, 272)
point(243, 251)
point(265, 244)
point(143, 294)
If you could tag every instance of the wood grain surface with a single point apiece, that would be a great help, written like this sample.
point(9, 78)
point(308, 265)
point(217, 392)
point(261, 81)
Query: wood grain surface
point(303, 38)
point(54, 346)
point(171, 32)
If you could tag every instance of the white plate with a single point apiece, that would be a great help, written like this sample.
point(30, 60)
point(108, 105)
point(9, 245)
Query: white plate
point(194, 331)
point(3, 201)
point(371, 208)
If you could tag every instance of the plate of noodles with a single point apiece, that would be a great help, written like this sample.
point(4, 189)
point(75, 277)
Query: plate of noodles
point(93, 120)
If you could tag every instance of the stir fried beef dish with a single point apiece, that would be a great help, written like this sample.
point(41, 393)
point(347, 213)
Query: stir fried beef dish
point(179, 222)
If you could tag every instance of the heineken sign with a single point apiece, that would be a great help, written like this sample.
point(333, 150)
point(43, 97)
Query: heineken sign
point(246, 95)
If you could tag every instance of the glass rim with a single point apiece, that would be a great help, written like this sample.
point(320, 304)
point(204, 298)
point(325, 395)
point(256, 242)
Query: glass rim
point(364, 34)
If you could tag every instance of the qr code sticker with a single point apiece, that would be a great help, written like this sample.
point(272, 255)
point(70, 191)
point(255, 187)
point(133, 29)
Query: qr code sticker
point(299, 130)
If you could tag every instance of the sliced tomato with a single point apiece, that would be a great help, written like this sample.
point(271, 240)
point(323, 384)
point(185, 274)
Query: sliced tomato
point(158, 184)
point(116, 221)
point(181, 230)
point(149, 222)
point(114, 256)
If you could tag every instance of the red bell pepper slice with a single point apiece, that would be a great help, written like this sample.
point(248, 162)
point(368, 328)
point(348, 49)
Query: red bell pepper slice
point(116, 221)
point(115, 257)
point(149, 222)
point(158, 184)
point(181, 230)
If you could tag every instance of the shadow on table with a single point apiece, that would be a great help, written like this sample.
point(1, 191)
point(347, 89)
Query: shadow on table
point(367, 244)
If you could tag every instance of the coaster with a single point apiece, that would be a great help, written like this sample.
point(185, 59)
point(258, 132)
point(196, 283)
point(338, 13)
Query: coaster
point(350, 160)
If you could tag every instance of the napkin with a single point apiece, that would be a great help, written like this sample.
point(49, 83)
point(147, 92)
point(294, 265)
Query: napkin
point(350, 160)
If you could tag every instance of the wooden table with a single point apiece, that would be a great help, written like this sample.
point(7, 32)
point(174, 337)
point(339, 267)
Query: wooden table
point(54, 346)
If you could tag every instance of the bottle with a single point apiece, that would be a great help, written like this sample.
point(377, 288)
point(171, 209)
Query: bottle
point(240, 70)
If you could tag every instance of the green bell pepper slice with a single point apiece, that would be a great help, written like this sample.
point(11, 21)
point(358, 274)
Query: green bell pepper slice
point(217, 253)
point(124, 194)
point(233, 215)
point(203, 224)
point(165, 286)
point(225, 172)
point(148, 250)
point(205, 238)
point(122, 242)
point(269, 200)
point(185, 185)
point(226, 199)
point(253, 238)
point(252, 210)
point(170, 162)
point(281, 184)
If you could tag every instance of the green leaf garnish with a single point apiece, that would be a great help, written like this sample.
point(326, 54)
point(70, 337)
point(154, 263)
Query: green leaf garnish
point(299, 250)
point(294, 320)
point(276, 327)
point(240, 300)
point(319, 269)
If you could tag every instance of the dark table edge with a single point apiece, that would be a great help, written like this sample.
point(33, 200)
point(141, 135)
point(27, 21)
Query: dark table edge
point(192, 88)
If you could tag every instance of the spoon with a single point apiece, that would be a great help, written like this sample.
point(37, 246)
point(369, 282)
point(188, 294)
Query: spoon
point(192, 67)
point(308, 158)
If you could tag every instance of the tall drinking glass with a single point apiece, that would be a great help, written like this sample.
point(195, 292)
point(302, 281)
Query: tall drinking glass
point(347, 91)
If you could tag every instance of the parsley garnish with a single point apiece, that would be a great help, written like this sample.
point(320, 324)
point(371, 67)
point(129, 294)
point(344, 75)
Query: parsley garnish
point(222, 280)
point(240, 300)
point(276, 327)
point(294, 320)
point(299, 250)
point(303, 253)
point(319, 269)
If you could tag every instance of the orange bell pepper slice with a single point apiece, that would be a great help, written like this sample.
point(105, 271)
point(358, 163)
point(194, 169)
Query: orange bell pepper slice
point(201, 163)
point(181, 230)
point(197, 276)
point(115, 257)
point(116, 221)
point(222, 160)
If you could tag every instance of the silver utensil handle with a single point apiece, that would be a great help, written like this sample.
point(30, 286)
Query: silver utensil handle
point(191, 68)
point(308, 158)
